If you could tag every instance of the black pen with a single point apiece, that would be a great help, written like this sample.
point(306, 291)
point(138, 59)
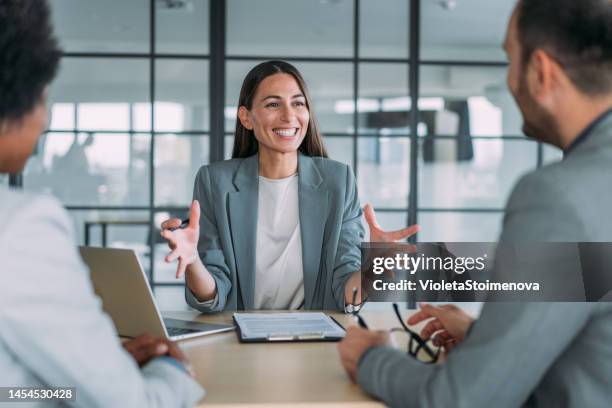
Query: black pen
point(184, 224)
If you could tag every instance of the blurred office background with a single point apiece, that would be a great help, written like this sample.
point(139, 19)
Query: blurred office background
point(147, 94)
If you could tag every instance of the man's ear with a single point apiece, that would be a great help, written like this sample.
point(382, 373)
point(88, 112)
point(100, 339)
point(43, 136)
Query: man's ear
point(543, 76)
point(243, 115)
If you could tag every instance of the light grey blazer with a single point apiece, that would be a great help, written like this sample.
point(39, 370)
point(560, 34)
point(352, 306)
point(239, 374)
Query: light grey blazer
point(53, 332)
point(531, 354)
point(330, 224)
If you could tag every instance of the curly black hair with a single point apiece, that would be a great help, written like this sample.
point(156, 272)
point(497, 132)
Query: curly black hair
point(29, 56)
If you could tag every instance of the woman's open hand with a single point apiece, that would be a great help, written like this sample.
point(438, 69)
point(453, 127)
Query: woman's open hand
point(377, 234)
point(183, 241)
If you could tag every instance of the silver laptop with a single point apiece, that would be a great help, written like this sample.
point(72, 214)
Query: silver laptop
point(122, 285)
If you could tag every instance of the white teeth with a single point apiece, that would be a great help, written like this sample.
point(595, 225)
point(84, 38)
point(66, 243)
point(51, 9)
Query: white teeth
point(286, 132)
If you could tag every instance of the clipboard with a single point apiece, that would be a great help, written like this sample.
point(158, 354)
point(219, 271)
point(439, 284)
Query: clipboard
point(287, 327)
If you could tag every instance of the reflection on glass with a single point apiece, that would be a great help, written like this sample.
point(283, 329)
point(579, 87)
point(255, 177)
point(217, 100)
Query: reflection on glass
point(103, 26)
point(464, 30)
point(177, 160)
point(330, 85)
point(475, 101)
point(384, 26)
point(459, 227)
point(290, 28)
point(182, 27)
point(384, 102)
point(114, 229)
point(384, 171)
point(478, 174)
point(171, 299)
point(91, 168)
point(181, 96)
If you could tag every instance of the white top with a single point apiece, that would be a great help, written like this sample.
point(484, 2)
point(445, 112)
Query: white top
point(279, 274)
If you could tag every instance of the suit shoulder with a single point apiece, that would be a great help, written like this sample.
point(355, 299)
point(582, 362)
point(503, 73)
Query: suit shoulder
point(332, 168)
point(220, 170)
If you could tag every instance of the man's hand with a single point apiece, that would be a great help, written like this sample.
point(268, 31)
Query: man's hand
point(356, 342)
point(146, 347)
point(449, 324)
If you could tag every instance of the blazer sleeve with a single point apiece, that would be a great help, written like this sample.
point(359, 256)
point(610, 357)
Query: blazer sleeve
point(209, 248)
point(352, 233)
point(54, 326)
point(511, 343)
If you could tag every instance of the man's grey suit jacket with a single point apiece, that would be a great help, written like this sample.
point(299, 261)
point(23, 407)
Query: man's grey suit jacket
point(531, 354)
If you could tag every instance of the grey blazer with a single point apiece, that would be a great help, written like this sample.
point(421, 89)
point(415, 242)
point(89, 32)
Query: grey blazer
point(531, 354)
point(330, 223)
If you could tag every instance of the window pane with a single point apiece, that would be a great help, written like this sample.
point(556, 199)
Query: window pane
point(459, 227)
point(91, 168)
point(384, 102)
point(472, 30)
point(290, 28)
point(330, 86)
point(182, 27)
point(177, 160)
point(384, 28)
point(552, 154)
point(171, 299)
point(384, 171)
point(102, 26)
point(472, 173)
point(124, 229)
point(340, 149)
point(229, 146)
point(99, 93)
point(459, 100)
point(181, 95)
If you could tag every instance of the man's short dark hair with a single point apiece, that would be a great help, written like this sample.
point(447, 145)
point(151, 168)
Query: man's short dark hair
point(577, 33)
point(29, 56)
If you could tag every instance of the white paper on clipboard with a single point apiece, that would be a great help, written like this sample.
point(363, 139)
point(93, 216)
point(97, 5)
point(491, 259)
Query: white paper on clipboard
point(287, 326)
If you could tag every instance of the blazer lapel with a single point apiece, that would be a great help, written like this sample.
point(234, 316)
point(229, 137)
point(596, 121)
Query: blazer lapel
point(313, 214)
point(243, 224)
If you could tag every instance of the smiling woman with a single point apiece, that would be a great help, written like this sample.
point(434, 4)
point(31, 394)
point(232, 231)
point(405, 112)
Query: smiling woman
point(280, 224)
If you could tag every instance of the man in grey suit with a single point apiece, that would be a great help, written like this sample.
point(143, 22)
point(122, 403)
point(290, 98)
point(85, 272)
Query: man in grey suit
point(53, 332)
point(532, 354)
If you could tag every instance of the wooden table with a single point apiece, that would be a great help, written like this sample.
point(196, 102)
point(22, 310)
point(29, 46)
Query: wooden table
point(277, 374)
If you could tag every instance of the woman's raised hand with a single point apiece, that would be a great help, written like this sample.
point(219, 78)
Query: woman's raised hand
point(183, 241)
point(377, 234)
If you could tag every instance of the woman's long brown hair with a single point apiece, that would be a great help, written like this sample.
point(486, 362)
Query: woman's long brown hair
point(245, 144)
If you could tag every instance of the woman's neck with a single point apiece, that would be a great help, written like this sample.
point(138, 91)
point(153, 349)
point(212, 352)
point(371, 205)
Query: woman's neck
point(276, 165)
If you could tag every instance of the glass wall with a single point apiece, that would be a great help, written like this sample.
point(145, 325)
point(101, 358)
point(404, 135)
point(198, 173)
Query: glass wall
point(132, 120)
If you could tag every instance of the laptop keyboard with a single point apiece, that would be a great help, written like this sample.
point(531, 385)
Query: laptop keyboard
point(176, 331)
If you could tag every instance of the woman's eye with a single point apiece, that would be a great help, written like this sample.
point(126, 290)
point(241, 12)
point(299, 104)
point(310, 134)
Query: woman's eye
point(299, 103)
